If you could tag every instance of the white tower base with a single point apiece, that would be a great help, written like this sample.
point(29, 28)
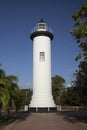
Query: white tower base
point(40, 101)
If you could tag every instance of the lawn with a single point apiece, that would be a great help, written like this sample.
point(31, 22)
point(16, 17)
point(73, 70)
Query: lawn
point(4, 122)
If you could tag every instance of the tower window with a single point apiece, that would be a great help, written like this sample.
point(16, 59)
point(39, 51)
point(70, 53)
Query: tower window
point(42, 56)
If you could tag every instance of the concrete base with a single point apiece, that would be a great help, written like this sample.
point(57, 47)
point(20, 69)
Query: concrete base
point(42, 100)
point(44, 109)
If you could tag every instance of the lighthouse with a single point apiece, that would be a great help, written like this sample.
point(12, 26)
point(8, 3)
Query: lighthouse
point(41, 36)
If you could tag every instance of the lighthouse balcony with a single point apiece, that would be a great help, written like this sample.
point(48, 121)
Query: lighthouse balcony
point(41, 31)
point(42, 28)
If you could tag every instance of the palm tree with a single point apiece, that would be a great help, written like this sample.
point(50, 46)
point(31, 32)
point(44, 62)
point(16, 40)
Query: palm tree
point(4, 94)
point(9, 91)
point(4, 98)
point(13, 89)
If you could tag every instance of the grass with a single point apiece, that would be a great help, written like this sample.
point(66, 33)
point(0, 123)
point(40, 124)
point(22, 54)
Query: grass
point(4, 122)
point(79, 115)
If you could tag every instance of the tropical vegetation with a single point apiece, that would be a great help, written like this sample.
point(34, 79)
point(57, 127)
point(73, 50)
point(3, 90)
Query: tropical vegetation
point(80, 34)
point(57, 88)
point(9, 91)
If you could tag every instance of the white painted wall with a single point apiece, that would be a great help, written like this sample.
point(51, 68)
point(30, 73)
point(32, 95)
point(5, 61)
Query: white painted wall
point(42, 92)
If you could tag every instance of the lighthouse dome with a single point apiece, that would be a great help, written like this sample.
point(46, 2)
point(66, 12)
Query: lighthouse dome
point(41, 26)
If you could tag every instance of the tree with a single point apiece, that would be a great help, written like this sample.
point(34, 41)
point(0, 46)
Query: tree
point(4, 94)
point(13, 89)
point(80, 31)
point(25, 96)
point(80, 34)
point(70, 97)
point(9, 91)
point(57, 88)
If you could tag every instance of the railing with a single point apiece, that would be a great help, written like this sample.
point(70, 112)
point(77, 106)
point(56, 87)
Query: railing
point(42, 28)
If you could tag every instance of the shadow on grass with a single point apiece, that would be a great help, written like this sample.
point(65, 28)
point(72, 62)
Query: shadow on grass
point(19, 116)
point(75, 116)
point(5, 122)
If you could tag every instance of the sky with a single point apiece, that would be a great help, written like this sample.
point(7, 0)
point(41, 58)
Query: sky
point(18, 17)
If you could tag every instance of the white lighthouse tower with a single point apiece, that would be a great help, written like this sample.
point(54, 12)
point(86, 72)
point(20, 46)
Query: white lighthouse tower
point(42, 90)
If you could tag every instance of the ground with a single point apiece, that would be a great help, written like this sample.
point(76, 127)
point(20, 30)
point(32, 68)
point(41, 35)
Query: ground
point(49, 121)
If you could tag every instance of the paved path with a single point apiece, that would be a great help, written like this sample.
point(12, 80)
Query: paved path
point(46, 121)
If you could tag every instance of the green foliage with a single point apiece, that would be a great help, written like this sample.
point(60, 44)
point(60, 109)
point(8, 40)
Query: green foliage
point(11, 97)
point(80, 34)
point(9, 91)
point(70, 97)
point(57, 87)
point(4, 94)
point(25, 96)
point(82, 93)
point(81, 75)
point(2, 74)
point(80, 30)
